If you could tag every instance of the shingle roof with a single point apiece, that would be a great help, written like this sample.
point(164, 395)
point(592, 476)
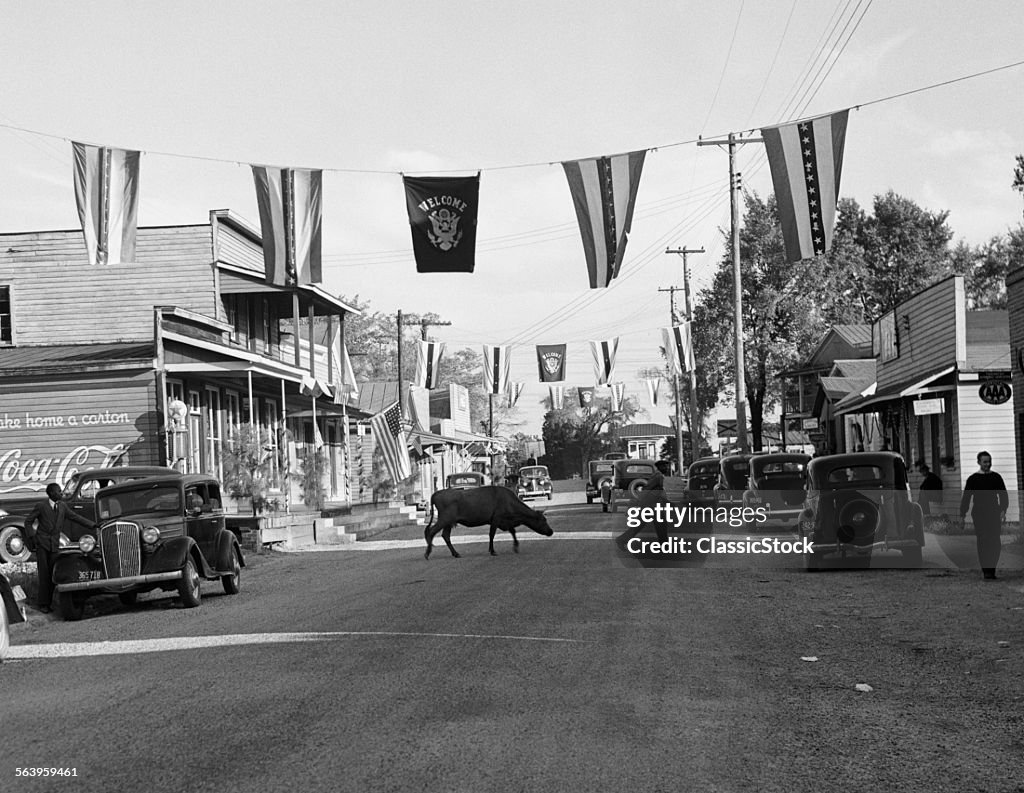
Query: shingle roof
point(73, 356)
point(645, 431)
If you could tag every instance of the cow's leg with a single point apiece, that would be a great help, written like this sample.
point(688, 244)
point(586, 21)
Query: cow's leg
point(428, 534)
point(446, 533)
point(493, 530)
point(515, 540)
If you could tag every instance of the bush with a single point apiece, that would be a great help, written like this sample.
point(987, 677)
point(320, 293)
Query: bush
point(247, 467)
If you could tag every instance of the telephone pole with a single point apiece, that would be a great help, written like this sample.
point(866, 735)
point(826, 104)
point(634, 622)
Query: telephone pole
point(734, 187)
point(673, 319)
point(694, 415)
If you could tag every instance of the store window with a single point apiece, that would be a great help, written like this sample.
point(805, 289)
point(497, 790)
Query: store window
point(6, 316)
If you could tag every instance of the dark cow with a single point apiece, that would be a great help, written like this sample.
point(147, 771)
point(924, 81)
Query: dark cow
point(497, 506)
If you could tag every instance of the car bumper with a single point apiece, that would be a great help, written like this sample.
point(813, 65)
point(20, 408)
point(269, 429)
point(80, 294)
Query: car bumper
point(119, 583)
point(849, 549)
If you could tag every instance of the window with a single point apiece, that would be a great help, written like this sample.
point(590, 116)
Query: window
point(214, 464)
point(6, 319)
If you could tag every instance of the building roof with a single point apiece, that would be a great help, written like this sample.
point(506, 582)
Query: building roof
point(858, 368)
point(645, 431)
point(855, 335)
point(77, 357)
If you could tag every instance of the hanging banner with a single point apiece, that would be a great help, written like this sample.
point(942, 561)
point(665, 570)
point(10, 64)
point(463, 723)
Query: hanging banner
point(586, 397)
point(678, 348)
point(653, 384)
point(604, 193)
point(604, 359)
point(514, 390)
point(344, 385)
point(289, 201)
point(557, 393)
point(442, 214)
point(107, 195)
point(806, 160)
point(551, 362)
point(428, 360)
point(618, 396)
point(496, 368)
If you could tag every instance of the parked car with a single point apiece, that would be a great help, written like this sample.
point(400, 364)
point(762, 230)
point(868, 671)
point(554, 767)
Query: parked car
point(859, 503)
point(702, 477)
point(599, 473)
point(733, 478)
point(165, 532)
point(79, 494)
point(465, 480)
point(632, 476)
point(534, 482)
point(11, 612)
point(776, 484)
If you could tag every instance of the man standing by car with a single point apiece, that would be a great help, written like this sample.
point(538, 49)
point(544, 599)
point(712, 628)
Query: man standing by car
point(42, 535)
point(990, 502)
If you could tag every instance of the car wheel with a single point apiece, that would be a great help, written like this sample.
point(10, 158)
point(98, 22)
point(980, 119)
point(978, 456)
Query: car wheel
point(188, 585)
point(233, 582)
point(912, 557)
point(128, 598)
point(12, 544)
point(72, 606)
point(637, 486)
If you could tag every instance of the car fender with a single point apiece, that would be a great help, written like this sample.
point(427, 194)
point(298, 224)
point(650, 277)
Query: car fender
point(227, 546)
point(68, 566)
point(169, 555)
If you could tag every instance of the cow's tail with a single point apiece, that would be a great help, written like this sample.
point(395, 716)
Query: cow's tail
point(430, 522)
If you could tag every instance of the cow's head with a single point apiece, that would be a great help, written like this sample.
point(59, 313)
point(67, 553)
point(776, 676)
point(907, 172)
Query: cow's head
point(539, 523)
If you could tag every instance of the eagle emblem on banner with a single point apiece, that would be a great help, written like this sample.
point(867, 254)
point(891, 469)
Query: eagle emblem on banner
point(553, 362)
point(446, 233)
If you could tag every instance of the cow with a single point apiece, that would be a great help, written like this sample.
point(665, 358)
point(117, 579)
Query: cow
point(497, 506)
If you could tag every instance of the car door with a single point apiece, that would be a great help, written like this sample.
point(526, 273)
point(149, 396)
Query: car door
point(204, 517)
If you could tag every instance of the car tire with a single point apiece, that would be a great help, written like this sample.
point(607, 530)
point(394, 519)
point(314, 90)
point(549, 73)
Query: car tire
point(72, 606)
point(188, 584)
point(128, 598)
point(8, 532)
point(637, 486)
point(232, 583)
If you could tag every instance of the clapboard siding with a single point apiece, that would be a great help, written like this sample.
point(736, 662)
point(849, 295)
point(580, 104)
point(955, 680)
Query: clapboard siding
point(239, 249)
point(984, 427)
point(57, 297)
point(927, 325)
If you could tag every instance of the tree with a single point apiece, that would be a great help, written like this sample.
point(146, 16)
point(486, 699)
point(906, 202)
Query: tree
point(986, 266)
point(574, 435)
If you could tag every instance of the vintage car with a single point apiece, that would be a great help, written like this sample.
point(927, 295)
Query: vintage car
point(860, 503)
point(465, 480)
point(702, 477)
point(733, 478)
point(79, 494)
point(599, 473)
point(534, 482)
point(632, 476)
point(164, 532)
point(776, 485)
point(11, 611)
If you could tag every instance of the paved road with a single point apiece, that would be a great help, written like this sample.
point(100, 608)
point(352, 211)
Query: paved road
point(564, 667)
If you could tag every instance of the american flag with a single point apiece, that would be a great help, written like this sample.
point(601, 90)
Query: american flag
point(806, 160)
point(679, 348)
point(604, 359)
point(387, 429)
point(107, 194)
point(604, 193)
point(289, 201)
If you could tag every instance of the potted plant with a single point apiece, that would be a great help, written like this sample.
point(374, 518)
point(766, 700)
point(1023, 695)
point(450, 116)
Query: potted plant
point(246, 463)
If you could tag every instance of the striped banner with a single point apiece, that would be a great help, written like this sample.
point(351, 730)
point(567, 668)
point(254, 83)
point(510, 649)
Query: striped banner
point(515, 389)
point(428, 360)
point(604, 359)
point(344, 384)
point(806, 159)
point(618, 395)
point(496, 368)
point(107, 195)
point(604, 193)
point(391, 440)
point(557, 393)
point(289, 202)
point(679, 348)
point(653, 384)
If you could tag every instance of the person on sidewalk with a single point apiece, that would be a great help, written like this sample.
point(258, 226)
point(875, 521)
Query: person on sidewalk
point(42, 535)
point(931, 488)
point(985, 493)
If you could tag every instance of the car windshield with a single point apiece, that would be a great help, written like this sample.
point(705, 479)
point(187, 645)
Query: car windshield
point(601, 468)
point(154, 498)
point(638, 469)
point(736, 472)
point(533, 472)
point(855, 473)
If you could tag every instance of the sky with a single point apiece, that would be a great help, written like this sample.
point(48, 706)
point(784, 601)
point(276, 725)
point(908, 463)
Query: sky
point(369, 90)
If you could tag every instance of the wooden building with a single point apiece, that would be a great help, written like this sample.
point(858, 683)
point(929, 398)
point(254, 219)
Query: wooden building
point(160, 360)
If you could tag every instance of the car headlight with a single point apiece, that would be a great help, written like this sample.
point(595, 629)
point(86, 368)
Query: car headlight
point(150, 534)
point(86, 543)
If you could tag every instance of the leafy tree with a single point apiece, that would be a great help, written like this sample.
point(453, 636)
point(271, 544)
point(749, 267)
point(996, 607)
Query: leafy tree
point(574, 435)
point(986, 266)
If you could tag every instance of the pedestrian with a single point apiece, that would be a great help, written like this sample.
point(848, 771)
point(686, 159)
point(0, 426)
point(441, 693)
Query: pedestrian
point(986, 493)
point(43, 528)
point(931, 488)
point(657, 480)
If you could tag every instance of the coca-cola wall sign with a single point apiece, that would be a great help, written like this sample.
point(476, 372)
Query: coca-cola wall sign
point(46, 435)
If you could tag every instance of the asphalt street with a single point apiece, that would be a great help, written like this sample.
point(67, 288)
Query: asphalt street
point(566, 666)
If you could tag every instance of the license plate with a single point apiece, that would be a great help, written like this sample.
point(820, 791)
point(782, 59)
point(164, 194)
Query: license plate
point(89, 575)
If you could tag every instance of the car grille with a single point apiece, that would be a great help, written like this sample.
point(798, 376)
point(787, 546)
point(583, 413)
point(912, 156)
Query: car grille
point(119, 543)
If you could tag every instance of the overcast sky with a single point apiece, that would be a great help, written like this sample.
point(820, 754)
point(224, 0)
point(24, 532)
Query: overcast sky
point(368, 90)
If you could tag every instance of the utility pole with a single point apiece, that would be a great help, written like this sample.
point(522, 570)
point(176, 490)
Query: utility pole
point(675, 383)
point(694, 416)
point(734, 187)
